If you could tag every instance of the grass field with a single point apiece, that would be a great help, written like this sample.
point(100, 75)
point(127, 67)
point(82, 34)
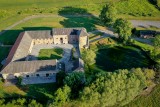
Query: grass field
point(46, 54)
point(48, 23)
point(117, 57)
point(10, 12)
point(151, 100)
point(38, 91)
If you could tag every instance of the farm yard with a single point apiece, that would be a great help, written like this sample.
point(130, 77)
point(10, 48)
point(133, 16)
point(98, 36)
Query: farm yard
point(111, 54)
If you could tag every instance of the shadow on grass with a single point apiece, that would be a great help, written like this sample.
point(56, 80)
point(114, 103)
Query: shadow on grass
point(41, 92)
point(87, 21)
point(10, 36)
point(117, 57)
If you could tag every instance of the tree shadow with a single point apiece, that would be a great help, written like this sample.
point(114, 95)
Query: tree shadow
point(117, 57)
point(78, 17)
point(40, 92)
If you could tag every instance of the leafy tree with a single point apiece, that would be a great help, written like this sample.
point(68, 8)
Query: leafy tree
point(75, 81)
point(156, 41)
point(34, 103)
point(21, 102)
point(61, 96)
point(108, 14)
point(156, 52)
point(89, 57)
point(60, 76)
point(123, 28)
point(110, 89)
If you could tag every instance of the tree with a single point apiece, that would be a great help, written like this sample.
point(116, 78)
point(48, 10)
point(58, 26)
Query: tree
point(60, 76)
point(123, 28)
point(110, 89)
point(156, 41)
point(75, 81)
point(108, 14)
point(89, 57)
point(61, 96)
point(34, 103)
point(156, 51)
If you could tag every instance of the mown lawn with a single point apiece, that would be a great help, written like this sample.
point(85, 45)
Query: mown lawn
point(151, 100)
point(46, 54)
point(118, 57)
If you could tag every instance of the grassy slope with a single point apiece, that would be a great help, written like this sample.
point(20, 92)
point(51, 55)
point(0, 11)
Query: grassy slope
point(118, 57)
point(38, 91)
point(46, 54)
point(151, 100)
point(130, 9)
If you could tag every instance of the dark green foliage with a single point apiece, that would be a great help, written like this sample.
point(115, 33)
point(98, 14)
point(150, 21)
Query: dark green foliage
point(118, 57)
point(108, 14)
point(19, 81)
point(156, 41)
point(110, 89)
point(156, 52)
point(75, 81)
point(123, 28)
point(60, 76)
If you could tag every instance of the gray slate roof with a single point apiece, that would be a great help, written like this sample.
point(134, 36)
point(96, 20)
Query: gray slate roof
point(69, 31)
point(30, 66)
point(40, 34)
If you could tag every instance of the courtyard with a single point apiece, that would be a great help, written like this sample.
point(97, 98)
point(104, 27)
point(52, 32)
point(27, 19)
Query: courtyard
point(66, 51)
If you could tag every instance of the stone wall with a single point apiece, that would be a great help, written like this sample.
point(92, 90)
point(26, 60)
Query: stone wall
point(43, 41)
point(60, 39)
point(83, 41)
point(30, 74)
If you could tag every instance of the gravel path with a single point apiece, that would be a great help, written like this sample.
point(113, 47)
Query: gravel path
point(145, 23)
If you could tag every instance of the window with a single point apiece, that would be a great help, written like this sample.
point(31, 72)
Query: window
point(47, 75)
point(37, 75)
point(27, 76)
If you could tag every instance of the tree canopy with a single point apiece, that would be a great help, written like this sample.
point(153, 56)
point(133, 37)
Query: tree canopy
point(89, 57)
point(156, 41)
point(108, 14)
point(75, 81)
point(111, 89)
point(123, 28)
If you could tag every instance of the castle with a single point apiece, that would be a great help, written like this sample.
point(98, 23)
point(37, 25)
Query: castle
point(17, 63)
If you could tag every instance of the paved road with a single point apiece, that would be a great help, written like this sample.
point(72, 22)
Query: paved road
point(136, 23)
point(145, 24)
point(106, 33)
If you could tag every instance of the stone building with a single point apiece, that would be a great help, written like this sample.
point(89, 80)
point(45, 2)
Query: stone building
point(17, 63)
